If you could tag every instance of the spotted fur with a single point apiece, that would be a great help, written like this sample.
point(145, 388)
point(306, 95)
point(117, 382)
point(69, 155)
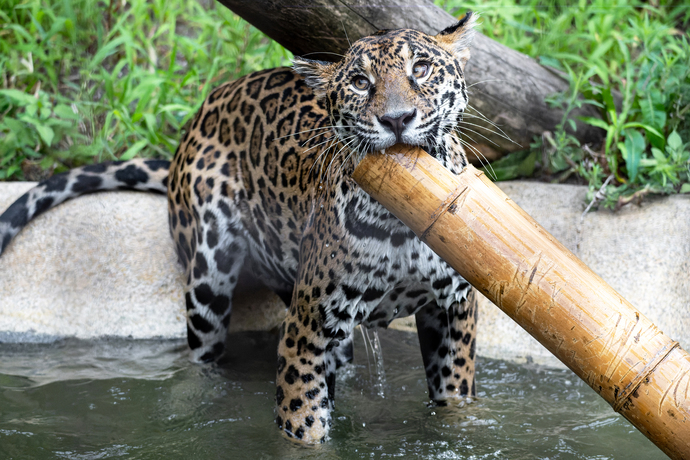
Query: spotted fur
point(262, 178)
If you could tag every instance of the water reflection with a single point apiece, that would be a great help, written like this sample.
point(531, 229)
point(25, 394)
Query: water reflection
point(143, 399)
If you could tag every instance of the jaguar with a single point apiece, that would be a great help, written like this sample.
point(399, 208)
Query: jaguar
point(262, 179)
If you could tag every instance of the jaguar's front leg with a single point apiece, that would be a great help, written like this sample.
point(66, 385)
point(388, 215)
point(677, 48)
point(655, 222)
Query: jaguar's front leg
point(305, 383)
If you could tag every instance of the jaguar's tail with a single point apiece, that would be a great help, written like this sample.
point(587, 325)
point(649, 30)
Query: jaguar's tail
point(148, 175)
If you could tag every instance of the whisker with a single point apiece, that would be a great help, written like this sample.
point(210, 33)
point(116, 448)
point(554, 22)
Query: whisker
point(344, 162)
point(346, 37)
point(323, 154)
point(323, 52)
point(484, 127)
point(486, 81)
point(336, 141)
point(302, 132)
point(495, 125)
point(329, 170)
point(472, 115)
point(315, 136)
point(320, 143)
point(480, 114)
point(480, 155)
point(479, 134)
point(315, 129)
point(499, 131)
point(489, 121)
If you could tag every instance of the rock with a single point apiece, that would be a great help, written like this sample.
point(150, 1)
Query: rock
point(104, 265)
point(641, 251)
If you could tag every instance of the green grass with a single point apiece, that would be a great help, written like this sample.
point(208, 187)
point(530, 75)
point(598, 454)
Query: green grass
point(82, 81)
point(638, 49)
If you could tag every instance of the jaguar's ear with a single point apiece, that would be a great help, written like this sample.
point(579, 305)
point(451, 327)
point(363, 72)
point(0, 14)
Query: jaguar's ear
point(458, 37)
point(317, 74)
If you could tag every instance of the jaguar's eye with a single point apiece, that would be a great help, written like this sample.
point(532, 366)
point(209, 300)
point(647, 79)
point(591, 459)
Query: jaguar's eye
point(361, 83)
point(421, 69)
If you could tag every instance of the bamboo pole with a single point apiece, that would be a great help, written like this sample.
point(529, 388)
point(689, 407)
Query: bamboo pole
point(540, 284)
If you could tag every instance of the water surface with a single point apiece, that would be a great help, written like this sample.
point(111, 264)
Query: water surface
point(143, 399)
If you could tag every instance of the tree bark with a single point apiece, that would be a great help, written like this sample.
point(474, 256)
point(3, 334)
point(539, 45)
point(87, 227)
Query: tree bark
point(507, 87)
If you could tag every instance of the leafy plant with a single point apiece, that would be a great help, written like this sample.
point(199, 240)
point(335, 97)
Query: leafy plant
point(75, 90)
point(643, 148)
point(31, 123)
point(629, 59)
point(518, 164)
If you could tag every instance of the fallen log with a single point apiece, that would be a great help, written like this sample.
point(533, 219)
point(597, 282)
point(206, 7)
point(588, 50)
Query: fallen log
point(540, 284)
point(507, 87)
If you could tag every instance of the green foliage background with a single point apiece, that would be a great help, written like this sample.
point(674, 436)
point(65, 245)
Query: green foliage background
point(85, 81)
point(81, 81)
point(637, 49)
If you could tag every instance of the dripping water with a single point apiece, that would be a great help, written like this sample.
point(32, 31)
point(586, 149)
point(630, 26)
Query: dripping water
point(378, 373)
point(365, 339)
point(378, 361)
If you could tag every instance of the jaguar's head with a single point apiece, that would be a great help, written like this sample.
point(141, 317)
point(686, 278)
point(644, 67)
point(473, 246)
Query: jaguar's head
point(396, 86)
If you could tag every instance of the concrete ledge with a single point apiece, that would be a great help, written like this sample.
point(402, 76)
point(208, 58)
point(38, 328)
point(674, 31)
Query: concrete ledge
point(104, 265)
point(641, 251)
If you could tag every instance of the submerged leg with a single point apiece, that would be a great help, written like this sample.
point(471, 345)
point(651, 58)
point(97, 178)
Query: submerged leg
point(447, 341)
point(305, 383)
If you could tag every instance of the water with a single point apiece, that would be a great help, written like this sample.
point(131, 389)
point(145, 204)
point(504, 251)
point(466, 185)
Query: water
point(378, 373)
point(140, 400)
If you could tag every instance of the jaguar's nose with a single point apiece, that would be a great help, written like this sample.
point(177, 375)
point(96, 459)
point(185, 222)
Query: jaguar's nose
point(397, 122)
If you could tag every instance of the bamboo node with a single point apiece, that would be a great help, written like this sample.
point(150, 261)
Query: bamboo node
point(447, 205)
point(643, 375)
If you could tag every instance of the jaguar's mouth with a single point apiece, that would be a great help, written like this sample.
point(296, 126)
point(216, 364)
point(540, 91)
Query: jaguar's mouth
point(426, 147)
point(390, 143)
